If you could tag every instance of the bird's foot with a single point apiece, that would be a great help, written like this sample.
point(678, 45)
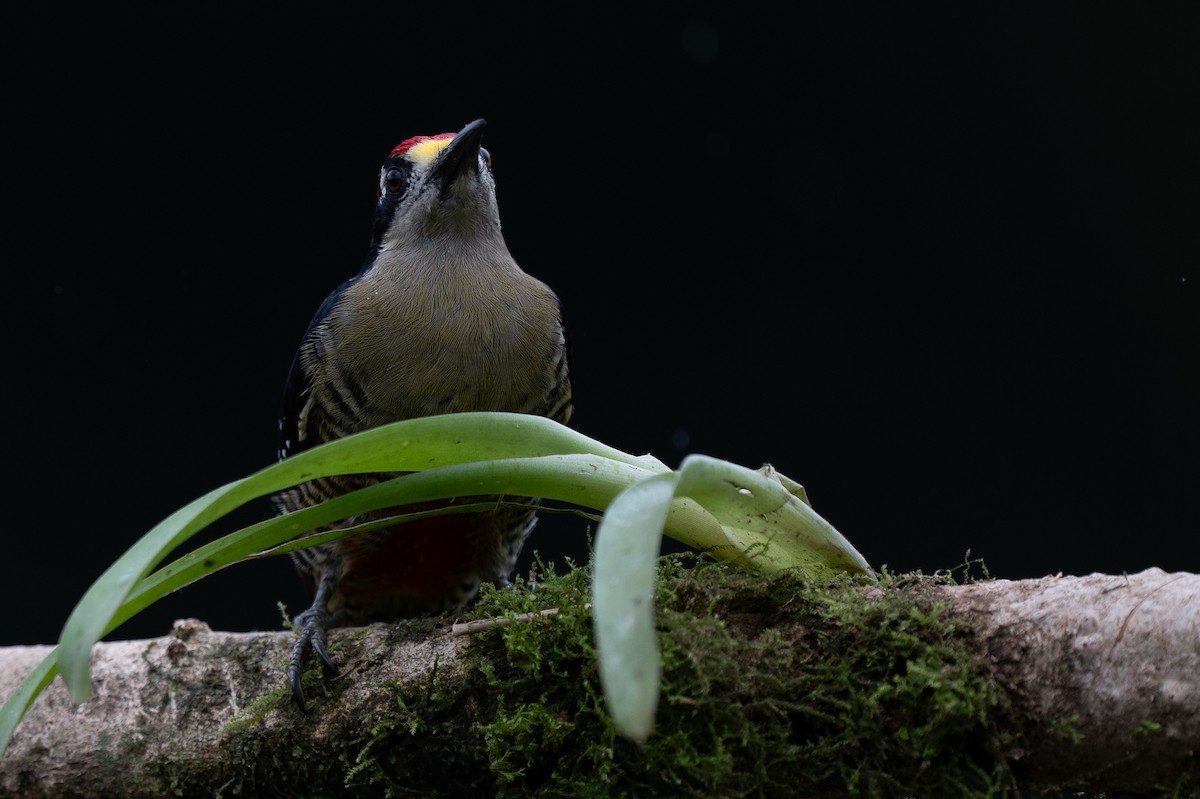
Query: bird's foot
point(310, 627)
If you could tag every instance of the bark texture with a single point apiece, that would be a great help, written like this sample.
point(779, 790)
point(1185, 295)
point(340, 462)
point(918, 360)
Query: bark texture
point(1102, 673)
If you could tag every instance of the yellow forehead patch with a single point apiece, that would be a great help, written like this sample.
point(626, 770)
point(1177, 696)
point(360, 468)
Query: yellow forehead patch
point(424, 151)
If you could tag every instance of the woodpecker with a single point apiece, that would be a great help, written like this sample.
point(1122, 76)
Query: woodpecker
point(440, 319)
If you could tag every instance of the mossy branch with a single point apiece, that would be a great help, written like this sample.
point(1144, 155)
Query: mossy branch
point(772, 686)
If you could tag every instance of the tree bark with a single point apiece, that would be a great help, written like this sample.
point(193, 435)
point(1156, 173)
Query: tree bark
point(1102, 673)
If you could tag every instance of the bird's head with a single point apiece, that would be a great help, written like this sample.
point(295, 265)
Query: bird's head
point(431, 185)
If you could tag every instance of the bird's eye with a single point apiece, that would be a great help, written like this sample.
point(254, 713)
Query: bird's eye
point(394, 180)
point(487, 157)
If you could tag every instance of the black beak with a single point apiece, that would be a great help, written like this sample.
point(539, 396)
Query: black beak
point(462, 153)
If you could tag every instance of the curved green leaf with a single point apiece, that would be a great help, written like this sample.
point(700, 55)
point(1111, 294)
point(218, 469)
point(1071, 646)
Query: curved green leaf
point(757, 517)
point(769, 524)
point(624, 566)
point(410, 445)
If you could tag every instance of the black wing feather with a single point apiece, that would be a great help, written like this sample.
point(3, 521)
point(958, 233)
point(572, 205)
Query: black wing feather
point(298, 385)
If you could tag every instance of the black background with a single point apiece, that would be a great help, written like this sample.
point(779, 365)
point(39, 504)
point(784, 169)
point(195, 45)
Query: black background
point(938, 264)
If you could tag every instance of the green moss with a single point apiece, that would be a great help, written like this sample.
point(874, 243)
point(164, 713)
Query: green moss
point(257, 710)
point(1066, 728)
point(771, 687)
point(1148, 727)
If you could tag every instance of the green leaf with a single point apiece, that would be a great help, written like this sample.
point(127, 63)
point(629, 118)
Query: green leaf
point(770, 521)
point(767, 520)
point(411, 445)
point(586, 480)
point(624, 564)
point(21, 699)
point(759, 518)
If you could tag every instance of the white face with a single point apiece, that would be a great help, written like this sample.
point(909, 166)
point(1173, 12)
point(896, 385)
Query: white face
point(428, 209)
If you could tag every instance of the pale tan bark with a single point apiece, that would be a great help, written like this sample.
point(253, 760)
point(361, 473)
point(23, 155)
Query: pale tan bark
point(1103, 671)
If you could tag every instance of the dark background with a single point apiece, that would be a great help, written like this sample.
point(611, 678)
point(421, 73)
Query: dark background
point(937, 265)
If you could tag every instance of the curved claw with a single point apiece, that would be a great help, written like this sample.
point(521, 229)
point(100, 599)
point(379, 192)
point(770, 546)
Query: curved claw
point(297, 691)
point(318, 646)
point(310, 626)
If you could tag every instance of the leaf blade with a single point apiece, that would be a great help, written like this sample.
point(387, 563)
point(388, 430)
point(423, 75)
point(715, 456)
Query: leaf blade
point(410, 445)
point(623, 576)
